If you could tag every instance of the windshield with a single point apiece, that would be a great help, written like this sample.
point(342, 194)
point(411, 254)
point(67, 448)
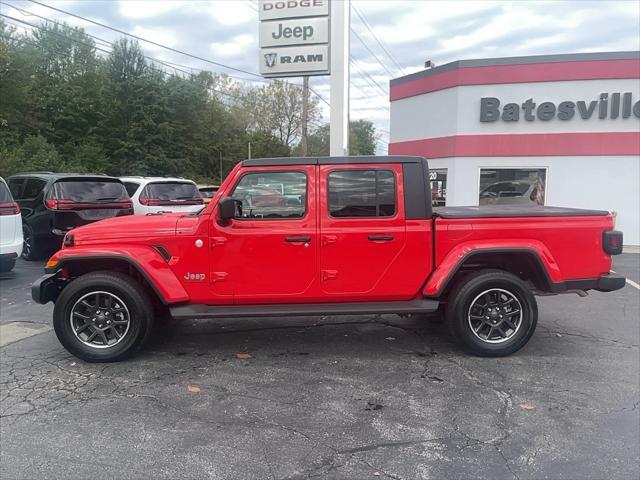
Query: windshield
point(88, 191)
point(5, 195)
point(208, 192)
point(172, 191)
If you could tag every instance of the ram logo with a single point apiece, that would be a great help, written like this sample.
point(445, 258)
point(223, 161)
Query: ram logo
point(270, 59)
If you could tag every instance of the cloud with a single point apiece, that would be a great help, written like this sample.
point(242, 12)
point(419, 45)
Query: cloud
point(148, 8)
point(238, 45)
point(443, 31)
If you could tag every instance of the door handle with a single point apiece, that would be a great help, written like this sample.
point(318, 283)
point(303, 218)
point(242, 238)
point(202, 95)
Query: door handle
point(297, 239)
point(380, 238)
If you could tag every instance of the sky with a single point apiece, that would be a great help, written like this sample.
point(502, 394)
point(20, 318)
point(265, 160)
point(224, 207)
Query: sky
point(389, 38)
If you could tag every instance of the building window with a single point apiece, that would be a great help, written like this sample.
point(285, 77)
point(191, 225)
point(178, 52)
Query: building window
point(362, 193)
point(272, 195)
point(509, 186)
point(438, 181)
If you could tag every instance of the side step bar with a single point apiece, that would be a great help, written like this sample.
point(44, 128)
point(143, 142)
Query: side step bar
point(194, 311)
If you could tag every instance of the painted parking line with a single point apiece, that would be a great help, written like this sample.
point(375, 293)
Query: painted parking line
point(633, 284)
point(630, 282)
point(15, 331)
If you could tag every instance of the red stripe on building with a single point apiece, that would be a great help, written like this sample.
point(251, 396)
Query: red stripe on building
point(500, 74)
point(522, 145)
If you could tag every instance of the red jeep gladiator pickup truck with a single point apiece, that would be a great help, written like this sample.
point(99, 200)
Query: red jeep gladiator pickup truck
point(325, 236)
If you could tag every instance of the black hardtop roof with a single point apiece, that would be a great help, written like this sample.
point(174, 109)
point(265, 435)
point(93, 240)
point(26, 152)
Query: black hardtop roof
point(55, 176)
point(358, 159)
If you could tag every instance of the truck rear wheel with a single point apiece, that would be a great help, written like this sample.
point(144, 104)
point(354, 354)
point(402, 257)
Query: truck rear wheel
point(493, 313)
point(103, 317)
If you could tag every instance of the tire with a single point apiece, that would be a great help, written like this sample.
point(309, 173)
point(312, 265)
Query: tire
point(30, 251)
point(7, 266)
point(500, 330)
point(121, 297)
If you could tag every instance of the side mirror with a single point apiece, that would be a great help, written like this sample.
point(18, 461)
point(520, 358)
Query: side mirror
point(227, 208)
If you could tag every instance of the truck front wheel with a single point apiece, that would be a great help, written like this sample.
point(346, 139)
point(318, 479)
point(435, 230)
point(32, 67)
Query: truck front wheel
point(493, 313)
point(103, 317)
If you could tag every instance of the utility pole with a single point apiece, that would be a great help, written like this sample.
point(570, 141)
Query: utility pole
point(305, 114)
point(339, 83)
point(249, 150)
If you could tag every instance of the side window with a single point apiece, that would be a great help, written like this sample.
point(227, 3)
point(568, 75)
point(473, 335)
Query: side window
point(272, 195)
point(33, 188)
point(131, 187)
point(362, 193)
point(15, 185)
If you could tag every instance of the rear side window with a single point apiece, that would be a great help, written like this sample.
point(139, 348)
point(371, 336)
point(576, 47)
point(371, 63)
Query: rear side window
point(172, 192)
point(131, 187)
point(84, 191)
point(5, 194)
point(362, 193)
point(33, 188)
point(15, 185)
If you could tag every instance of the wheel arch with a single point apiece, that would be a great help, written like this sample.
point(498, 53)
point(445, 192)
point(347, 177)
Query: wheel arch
point(524, 262)
point(157, 277)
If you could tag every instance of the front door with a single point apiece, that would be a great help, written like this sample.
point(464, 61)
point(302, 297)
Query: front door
point(268, 253)
point(362, 232)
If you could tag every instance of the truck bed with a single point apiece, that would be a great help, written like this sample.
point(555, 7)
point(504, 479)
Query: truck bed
point(507, 211)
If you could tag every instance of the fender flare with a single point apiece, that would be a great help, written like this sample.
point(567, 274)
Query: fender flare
point(155, 271)
point(441, 277)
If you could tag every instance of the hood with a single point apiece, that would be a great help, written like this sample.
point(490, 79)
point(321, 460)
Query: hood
point(131, 226)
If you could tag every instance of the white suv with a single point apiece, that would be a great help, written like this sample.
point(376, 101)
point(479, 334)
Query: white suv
point(160, 194)
point(10, 229)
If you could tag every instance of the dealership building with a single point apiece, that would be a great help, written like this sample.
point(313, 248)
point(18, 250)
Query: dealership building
point(559, 130)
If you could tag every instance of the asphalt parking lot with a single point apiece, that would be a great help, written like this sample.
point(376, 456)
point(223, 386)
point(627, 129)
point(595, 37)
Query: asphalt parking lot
point(327, 397)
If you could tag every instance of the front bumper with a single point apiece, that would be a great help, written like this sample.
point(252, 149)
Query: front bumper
point(46, 288)
point(610, 282)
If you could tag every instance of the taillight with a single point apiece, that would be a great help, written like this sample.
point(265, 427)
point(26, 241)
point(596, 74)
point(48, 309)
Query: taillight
point(9, 208)
point(150, 202)
point(612, 242)
point(125, 203)
point(62, 204)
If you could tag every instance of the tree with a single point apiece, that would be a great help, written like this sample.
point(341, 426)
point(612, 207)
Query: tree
point(277, 108)
point(362, 139)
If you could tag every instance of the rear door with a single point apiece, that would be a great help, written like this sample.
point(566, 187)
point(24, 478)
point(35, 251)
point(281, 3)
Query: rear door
point(8, 213)
point(362, 230)
point(79, 201)
point(172, 196)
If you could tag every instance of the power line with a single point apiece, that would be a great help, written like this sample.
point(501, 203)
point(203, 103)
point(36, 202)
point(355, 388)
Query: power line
point(211, 89)
point(222, 65)
point(372, 81)
point(252, 6)
point(368, 49)
point(197, 57)
point(366, 24)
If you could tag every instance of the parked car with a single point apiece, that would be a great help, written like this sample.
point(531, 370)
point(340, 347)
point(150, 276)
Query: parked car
point(159, 194)
point(207, 192)
point(364, 239)
point(54, 203)
point(10, 229)
point(509, 193)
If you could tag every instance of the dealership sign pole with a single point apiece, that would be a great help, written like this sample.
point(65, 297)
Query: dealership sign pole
point(310, 37)
point(339, 81)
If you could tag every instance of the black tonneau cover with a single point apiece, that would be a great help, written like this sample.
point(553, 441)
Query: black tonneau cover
point(504, 211)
